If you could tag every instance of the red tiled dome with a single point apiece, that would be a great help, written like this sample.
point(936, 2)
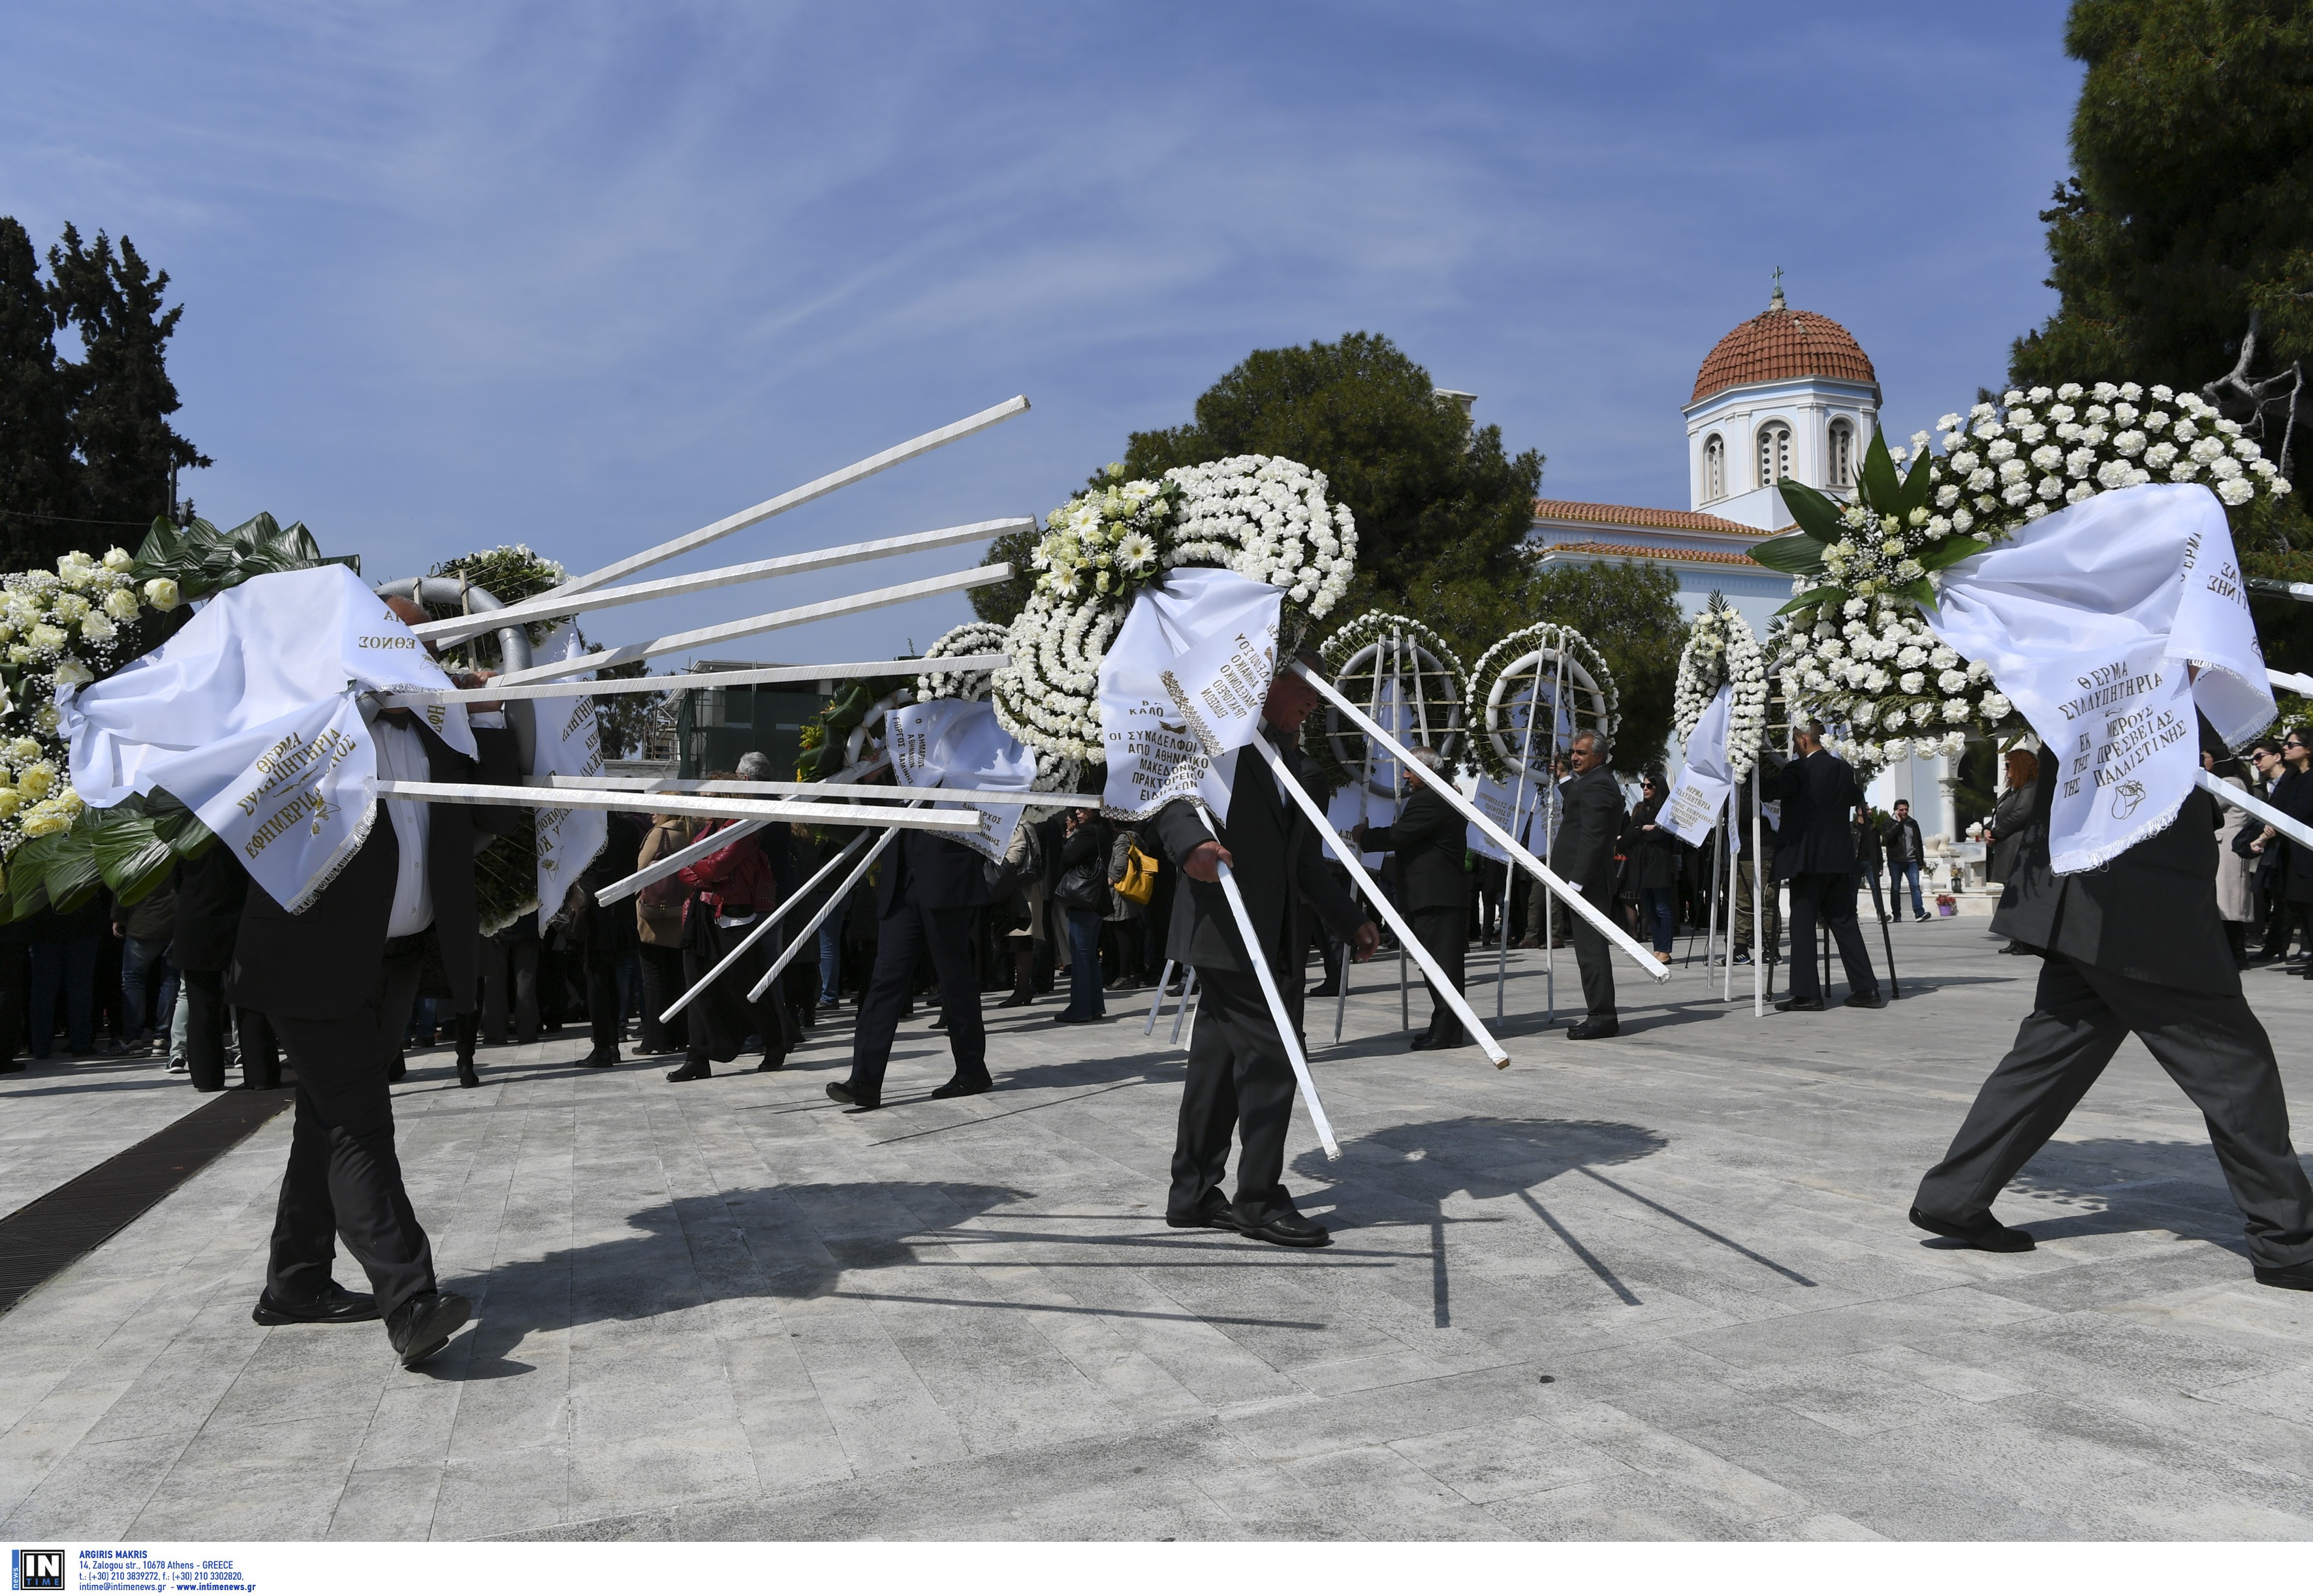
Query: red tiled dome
point(1781, 343)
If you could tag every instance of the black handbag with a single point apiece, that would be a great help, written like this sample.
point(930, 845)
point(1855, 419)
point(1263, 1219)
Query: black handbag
point(1083, 885)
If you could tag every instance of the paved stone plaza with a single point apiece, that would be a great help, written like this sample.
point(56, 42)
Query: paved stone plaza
point(1660, 1286)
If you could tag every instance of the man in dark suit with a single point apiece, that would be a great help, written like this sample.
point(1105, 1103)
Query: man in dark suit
point(337, 982)
point(1240, 1078)
point(925, 894)
point(1431, 840)
point(1815, 851)
point(2133, 945)
point(211, 891)
point(1583, 854)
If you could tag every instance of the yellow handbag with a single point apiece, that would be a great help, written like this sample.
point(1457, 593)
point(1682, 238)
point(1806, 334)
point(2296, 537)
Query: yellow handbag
point(1139, 879)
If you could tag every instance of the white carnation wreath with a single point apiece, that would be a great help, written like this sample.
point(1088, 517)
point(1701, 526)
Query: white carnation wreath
point(1259, 515)
point(1720, 648)
point(1339, 750)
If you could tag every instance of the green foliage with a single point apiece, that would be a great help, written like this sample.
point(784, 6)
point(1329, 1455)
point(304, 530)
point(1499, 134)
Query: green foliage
point(129, 848)
point(40, 480)
point(1630, 614)
point(1442, 513)
point(2192, 199)
point(621, 720)
point(202, 560)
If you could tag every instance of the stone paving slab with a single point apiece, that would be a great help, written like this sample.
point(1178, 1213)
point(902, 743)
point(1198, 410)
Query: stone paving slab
point(1655, 1287)
point(60, 1116)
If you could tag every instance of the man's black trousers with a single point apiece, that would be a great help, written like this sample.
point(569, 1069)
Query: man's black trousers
point(1445, 933)
point(343, 1177)
point(207, 1017)
point(2212, 1046)
point(1593, 956)
point(1830, 898)
point(901, 938)
point(1240, 1081)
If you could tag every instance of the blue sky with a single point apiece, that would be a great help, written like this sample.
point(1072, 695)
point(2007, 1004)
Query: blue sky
point(587, 277)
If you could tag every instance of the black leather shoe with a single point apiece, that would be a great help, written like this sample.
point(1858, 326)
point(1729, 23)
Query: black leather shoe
point(1800, 1005)
point(1990, 1236)
point(1592, 1030)
point(1290, 1230)
point(423, 1326)
point(840, 1091)
point(1864, 1000)
point(601, 1058)
point(466, 1076)
point(697, 1069)
point(2287, 1277)
point(964, 1086)
point(338, 1306)
point(1019, 1000)
point(769, 1063)
point(1423, 1042)
point(1216, 1216)
point(1326, 990)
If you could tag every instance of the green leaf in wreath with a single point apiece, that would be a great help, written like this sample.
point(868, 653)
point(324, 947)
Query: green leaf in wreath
point(1813, 597)
point(131, 854)
point(1818, 515)
point(1949, 552)
point(1917, 485)
point(1794, 554)
point(71, 874)
point(28, 874)
point(1882, 490)
point(1922, 593)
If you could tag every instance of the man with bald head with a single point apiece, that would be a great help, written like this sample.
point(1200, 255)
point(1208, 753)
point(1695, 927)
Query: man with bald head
point(337, 982)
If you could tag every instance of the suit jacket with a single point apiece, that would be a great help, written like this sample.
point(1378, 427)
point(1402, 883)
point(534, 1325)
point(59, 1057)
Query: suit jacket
point(210, 890)
point(2150, 915)
point(1819, 795)
point(1277, 868)
point(1583, 852)
point(934, 873)
point(1770, 764)
point(323, 964)
point(1429, 837)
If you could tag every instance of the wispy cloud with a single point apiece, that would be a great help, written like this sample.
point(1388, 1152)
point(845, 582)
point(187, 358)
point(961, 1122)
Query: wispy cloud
point(587, 275)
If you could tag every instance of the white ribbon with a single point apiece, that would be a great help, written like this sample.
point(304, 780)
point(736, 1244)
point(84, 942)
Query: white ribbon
point(1700, 795)
point(956, 743)
point(569, 744)
point(2089, 619)
point(249, 717)
point(1180, 688)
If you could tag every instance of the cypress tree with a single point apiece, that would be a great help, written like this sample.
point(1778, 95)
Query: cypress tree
point(39, 478)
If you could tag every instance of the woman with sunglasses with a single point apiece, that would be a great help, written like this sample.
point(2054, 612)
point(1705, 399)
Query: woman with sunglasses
point(2293, 795)
point(1653, 853)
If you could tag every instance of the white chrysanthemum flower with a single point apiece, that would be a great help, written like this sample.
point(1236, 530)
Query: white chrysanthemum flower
point(2235, 490)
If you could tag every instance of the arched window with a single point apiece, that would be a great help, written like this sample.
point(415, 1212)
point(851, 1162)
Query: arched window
point(1774, 453)
point(1714, 468)
point(1842, 455)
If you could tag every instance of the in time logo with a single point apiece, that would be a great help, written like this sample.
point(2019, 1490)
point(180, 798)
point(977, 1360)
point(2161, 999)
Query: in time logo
point(36, 1570)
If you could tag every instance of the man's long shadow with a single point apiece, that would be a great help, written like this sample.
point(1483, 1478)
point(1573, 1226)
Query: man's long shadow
point(2138, 1185)
point(1425, 1164)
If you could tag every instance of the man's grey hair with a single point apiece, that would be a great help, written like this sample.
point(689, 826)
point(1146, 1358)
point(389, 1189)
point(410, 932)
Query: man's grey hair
point(755, 765)
point(1429, 758)
point(1598, 740)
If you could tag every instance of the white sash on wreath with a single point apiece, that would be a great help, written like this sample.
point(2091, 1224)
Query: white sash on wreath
point(570, 744)
point(2092, 619)
point(1182, 686)
point(249, 717)
point(1700, 795)
point(959, 741)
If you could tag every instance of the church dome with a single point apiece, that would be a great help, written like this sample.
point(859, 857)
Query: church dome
point(1783, 343)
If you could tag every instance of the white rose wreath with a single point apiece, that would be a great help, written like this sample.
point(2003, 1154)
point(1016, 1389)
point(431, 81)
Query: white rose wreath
point(1720, 648)
point(1601, 714)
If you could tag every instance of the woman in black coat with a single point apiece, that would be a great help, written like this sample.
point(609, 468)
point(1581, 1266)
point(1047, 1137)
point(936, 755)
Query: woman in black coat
point(1654, 855)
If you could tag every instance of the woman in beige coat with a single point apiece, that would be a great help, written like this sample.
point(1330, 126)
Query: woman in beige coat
point(2240, 904)
point(658, 920)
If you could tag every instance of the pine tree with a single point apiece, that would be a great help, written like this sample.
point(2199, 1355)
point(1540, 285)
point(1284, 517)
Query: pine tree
point(119, 389)
point(39, 478)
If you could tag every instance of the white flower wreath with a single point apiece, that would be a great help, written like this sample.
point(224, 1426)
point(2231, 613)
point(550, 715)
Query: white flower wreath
point(1262, 517)
point(1336, 748)
point(1503, 655)
point(1055, 773)
point(1859, 651)
point(1721, 648)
